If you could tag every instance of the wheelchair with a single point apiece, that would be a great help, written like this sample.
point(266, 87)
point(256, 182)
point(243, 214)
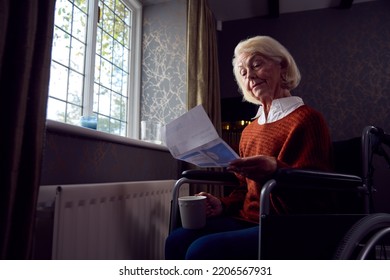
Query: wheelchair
point(353, 231)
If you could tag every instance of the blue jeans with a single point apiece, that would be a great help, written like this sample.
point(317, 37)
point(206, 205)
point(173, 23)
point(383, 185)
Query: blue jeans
point(221, 238)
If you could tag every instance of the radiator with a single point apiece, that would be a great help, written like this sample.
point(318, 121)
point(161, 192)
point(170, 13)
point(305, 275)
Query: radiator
point(127, 220)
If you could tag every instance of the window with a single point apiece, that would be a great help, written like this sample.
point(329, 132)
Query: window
point(96, 64)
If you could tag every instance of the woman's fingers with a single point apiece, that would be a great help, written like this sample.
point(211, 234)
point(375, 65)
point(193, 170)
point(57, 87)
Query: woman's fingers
point(256, 167)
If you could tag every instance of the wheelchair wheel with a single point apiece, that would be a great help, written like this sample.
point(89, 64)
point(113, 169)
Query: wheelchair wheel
point(366, 239)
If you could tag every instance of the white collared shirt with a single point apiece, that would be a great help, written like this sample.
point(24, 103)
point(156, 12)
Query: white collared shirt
point(280, 108)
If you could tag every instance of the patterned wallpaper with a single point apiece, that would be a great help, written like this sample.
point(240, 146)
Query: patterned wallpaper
point(164, 95)
point(347, 72)
point(343, 55)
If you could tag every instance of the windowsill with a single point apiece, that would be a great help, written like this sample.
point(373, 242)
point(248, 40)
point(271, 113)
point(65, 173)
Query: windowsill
point(79, 131)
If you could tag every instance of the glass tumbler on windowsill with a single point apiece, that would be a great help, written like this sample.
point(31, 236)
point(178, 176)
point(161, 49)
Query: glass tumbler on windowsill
point(89, 122)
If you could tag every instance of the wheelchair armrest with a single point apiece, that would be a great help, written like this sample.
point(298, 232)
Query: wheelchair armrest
point(308, 179)
point(206, 175)
point(319, 179)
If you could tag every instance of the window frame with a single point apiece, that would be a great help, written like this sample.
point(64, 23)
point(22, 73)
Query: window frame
point(134, 100)
point(135, 66)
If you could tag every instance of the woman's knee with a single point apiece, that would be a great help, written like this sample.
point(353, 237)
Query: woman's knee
point(206, 247)
point(240, 244)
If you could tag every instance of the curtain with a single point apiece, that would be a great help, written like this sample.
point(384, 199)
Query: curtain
point(26, 29)
point(203, 85)
point(202, 61)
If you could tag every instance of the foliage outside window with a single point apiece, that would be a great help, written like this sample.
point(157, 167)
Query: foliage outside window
point(95, 57)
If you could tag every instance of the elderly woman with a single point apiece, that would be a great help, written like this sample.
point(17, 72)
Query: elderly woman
point(286, 133)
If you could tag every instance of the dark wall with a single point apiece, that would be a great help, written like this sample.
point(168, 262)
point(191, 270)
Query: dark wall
point(343, 56)
point(78, 158)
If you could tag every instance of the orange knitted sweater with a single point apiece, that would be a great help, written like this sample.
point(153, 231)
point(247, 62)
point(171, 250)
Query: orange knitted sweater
point(299, 140)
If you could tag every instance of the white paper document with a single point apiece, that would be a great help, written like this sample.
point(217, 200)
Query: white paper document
point(193, 138)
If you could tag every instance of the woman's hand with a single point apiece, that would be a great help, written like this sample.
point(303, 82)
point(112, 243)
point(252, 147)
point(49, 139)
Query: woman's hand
point(257, 168)
point(213, 205)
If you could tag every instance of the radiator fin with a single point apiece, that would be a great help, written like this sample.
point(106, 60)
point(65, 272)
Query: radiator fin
point(127, 220)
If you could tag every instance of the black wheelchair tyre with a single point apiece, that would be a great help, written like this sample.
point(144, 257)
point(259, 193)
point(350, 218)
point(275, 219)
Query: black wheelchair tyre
point(362, 236)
